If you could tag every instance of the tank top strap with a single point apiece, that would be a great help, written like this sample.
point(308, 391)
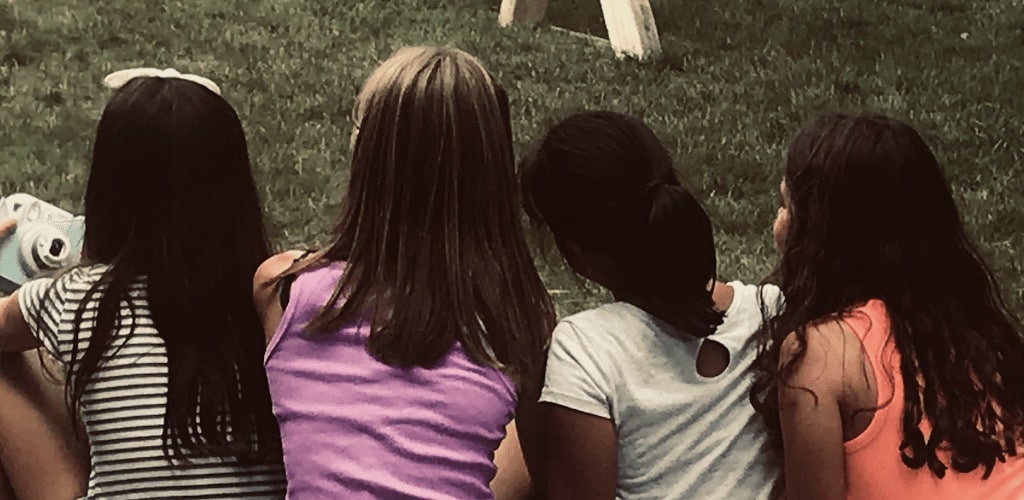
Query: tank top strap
point(870, 322)
point(286, 282)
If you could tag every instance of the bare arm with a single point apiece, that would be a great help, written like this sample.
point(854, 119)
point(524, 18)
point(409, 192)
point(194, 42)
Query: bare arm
point(812, 429)
point(582, 457)
point(265, 290)
point(15, 334)
point(36, 432)
point(512, 480)
point(530, 429)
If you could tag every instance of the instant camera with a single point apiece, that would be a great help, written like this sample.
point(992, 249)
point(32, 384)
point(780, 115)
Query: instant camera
point(45, 240)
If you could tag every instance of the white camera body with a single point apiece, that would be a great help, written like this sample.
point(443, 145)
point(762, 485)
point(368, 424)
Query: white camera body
point(45, 240)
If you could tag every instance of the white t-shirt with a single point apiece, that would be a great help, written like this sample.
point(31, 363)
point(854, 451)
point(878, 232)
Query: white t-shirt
point(680, 434)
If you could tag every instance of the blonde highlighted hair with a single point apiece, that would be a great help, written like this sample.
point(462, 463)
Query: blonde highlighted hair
point(430, 229)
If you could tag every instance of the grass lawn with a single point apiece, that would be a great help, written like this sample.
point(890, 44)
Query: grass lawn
point(737, 80)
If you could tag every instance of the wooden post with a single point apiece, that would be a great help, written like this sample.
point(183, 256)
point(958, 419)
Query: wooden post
point(631, 28)
point(521, 11)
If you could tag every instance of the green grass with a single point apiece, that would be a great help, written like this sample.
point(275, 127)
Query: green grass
point(737, 80)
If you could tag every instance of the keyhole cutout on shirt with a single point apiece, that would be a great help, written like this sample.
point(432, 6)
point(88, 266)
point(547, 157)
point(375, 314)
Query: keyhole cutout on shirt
point(712, 358)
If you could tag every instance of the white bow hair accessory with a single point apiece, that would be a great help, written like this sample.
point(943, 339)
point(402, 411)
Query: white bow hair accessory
point(117, 79)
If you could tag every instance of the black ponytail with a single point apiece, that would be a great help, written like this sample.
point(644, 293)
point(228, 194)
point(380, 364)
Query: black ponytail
point(604, 182)
point(674, 261)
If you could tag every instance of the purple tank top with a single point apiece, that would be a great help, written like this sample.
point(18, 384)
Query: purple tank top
point(353, 427)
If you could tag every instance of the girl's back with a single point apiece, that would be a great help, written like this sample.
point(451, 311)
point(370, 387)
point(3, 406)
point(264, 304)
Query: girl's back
point(894, 370)
point(358, 428)
point(647, 396)
point(873, 465)
point(680, 434)
point(124, 405)
point(157, 332)
point(397, 336)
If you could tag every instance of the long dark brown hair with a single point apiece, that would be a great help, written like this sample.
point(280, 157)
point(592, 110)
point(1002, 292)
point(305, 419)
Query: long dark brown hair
point(872, 216)
point(171, 203)
point(430, 230)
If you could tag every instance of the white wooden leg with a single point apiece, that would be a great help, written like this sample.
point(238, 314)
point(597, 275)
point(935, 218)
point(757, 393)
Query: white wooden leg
point(521, 11)
point(631, 28)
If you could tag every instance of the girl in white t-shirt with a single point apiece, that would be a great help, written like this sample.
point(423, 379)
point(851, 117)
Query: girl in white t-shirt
point(646, 397)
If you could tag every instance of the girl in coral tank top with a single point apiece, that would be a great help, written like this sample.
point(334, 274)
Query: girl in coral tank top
point(896, 369)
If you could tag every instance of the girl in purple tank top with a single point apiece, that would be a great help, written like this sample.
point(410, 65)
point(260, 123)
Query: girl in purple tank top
point(399, 355)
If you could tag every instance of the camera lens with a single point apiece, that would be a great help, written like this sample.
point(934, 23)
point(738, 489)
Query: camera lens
point(43, 248)
point(56, 247)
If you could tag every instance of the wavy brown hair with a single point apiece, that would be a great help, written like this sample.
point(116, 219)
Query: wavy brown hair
point(430, 229)
point(872, 216)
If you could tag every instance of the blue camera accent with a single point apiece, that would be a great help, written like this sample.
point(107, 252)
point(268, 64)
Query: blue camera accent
point(45, 240)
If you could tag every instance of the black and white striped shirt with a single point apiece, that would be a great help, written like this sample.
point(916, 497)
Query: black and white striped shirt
point(124, 405)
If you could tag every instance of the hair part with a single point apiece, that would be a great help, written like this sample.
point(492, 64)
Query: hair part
point(872, 216)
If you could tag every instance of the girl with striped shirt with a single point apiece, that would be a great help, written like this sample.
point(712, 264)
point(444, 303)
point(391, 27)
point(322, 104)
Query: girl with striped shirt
point(156, 331)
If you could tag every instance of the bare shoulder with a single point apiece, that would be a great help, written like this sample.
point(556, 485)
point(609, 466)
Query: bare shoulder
point(264, 282)
point(271, 268)
point(823, 339)
point(265, 289)
point(826, 348)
